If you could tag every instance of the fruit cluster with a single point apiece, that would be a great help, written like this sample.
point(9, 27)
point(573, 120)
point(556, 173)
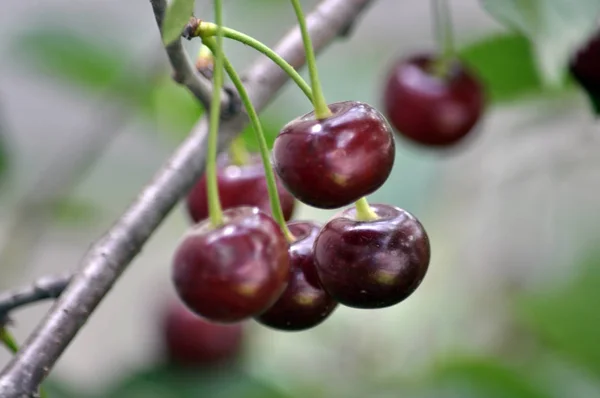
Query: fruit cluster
point(246, 268)
point(245, 259)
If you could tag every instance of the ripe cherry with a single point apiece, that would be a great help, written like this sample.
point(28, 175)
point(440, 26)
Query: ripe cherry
point(585, 66)
point(429, 109)
point(239, 185)
point(234, 271)
point(372, 264)
point(335, 161)
point(192, 341)
point(304, 304)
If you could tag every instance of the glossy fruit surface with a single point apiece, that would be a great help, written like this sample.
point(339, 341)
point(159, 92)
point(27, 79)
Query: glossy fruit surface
point(372, 264)
point(234, 271)
point(243, 185)
point(335, 161)
point(304, 304)
point(432, 110)
point(585, 65)
point(192, 341)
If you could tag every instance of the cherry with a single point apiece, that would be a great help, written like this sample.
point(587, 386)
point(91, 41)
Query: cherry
point(372, 264)
point(585, 65)
point(243, 185)
point(304, 304)
point(192, 341)
point(332, 162)
point(234, 271)
point(432, 110)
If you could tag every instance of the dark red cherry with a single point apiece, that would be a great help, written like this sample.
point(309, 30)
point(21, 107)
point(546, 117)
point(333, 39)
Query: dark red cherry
point(429, 109)
point(585, 66)
point(304, 304)
point(335, 161)
point(372, 264)
point(234, 271)
point(192, 341)
point(243, 185)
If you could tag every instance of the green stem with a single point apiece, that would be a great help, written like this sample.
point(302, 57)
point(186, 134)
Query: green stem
point(208, 29)
point(442, 25)
point(11, 344)
point(321, 109)
point(364, 211)
point(262, 142)
point(215, 210)
point(238, 153)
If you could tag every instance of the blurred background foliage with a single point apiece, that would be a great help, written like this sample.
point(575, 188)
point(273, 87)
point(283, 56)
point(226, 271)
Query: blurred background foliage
point(550, 333)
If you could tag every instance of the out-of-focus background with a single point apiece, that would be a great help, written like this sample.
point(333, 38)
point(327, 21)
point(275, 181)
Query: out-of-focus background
point(88, 113)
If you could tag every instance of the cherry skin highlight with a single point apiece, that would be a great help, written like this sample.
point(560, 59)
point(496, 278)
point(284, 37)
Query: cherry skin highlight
point(372, 264)
point(191, 341)
point(304, 304)
point(585, 65)
point(234, 271)
point(239, 185)
point(335, 161)
point(432, 110)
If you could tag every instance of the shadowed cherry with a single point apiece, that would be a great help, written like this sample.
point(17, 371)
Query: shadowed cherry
point(239, 185)
point(432, 110)
point(191, 341)
point(585, 65)
point(335, 161)
point(304, 304)
point(372, 264)
point(234, 271)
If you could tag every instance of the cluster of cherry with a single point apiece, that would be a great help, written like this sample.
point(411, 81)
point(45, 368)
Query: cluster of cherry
point(291, 275)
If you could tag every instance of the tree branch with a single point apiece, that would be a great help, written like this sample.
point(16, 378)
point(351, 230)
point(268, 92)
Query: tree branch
point(184, 71)
point(48, 287)
point(109, 256)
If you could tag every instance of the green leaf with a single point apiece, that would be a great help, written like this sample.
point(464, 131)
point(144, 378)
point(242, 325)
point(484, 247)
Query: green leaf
point(173, 108)
point(506, 65)
point(486, 377)
point(567, 319)
point(271, 129)
point(177, 15)
point(55, 388)
point(554, 27)
point(80, 58)
point(166, 382)
point(74, 212)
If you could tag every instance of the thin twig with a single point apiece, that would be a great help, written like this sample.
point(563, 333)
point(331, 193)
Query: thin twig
point(47, 287)
point(184, 71)
point(109, 257)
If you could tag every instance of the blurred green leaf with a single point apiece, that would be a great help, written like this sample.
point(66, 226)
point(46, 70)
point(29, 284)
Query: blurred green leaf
point(567, 318)
point(485, 377)
point(58, 389)
point(74, 212)
point(173, 108)
point(270, 127)
point(506, 65)
point(166, 382)
point(76, 57)
point(554, 27)
point(177, 15)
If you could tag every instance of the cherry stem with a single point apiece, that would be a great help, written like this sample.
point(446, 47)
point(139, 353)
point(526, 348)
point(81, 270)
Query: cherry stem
point(215, 210)
point(238, 153)
point(364, 212)
point(208, 29)
point(442, 25)
point(262, 143)
point(321, 109)
point(11, 344)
